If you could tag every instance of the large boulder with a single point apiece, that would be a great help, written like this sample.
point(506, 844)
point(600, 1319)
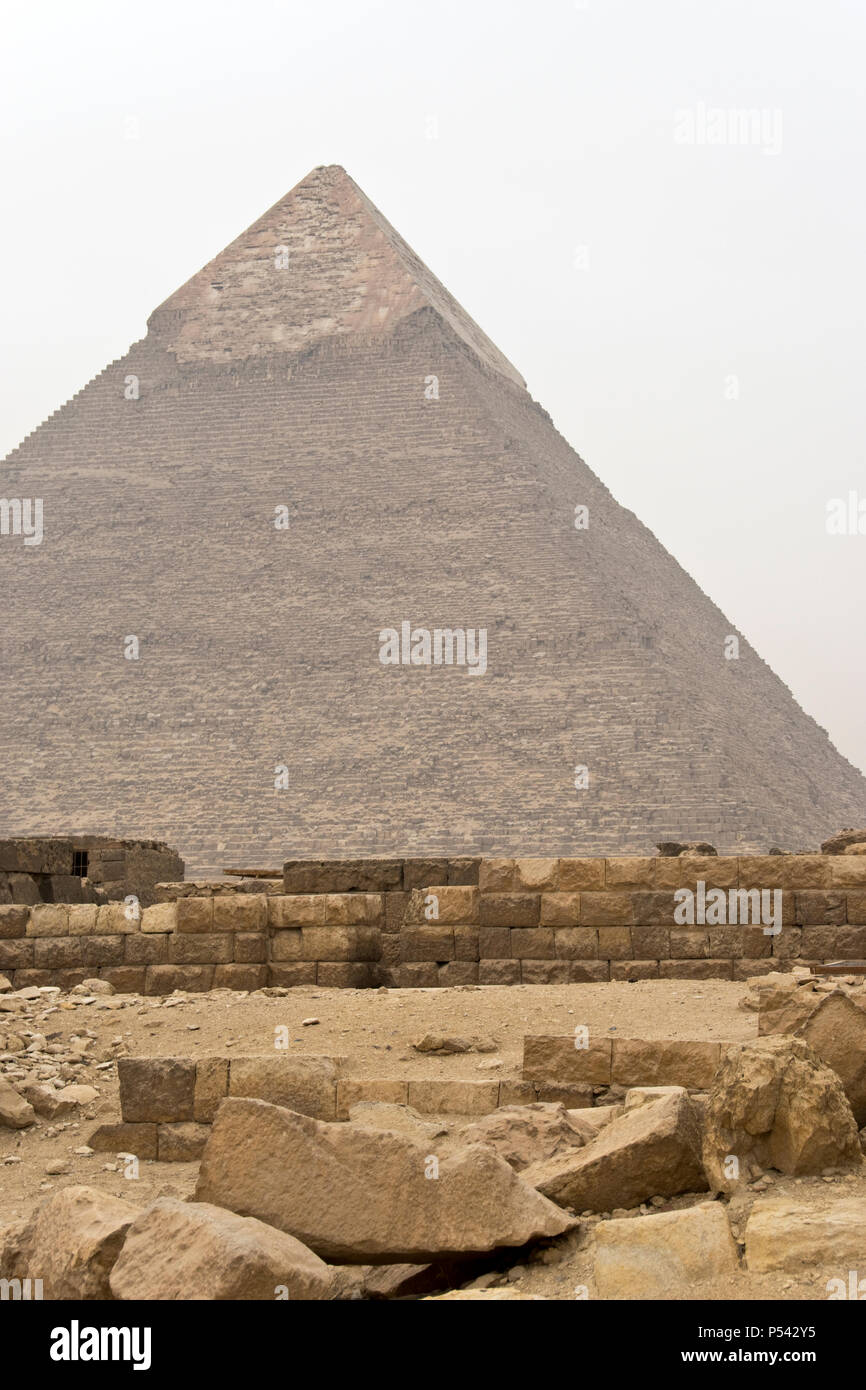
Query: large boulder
point(193, 1251)
point(663, 1256)
point(366, 1196)
point(77, 1235)
point(785, 1002)
point(14, 1245)
point(836, 1032)
point(774, 1104)
point(525, 1134)
point(796, 1233)
point(840, 842)
point(15, 1111)
point(652, 1150)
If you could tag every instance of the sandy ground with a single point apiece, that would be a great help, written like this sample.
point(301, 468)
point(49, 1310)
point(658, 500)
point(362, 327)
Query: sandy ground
point(372, 1030)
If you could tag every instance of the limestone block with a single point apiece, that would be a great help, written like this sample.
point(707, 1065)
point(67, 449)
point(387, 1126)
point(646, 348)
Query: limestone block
point(509, 909)
point(354, 1090)
point(181, 1143)
point(292, 974)
point(364, 1196)
point(535, 943)
point(48, 919)
point(635, 1062)
point(497, 875)
point(575, 943)
point(246, 912)
point(156, 1089)
point(606, 910)
point(802, 1233)
point(544, 972)
point(634, 872)
point(165, 979)
point(340, 943)
point(160, 918)
point(499, 972)
point(353, 909)
point(536, 875)
point(343, 974)
point(240, 977)
point(194, 915)
point(664, 1256)
point(557, 1059)
point(433, 943)
point(184, 1250)
point(55, 953)
point(305, 1084)
point(575, 874)
point(83, 920)
point(196, 948)
point(210, 1088)
point(77, 1236)
point(13, 922)
point(305, 910)
point(794, 872)
point(125, 1138)
point(453, 1097)
point(560, 909)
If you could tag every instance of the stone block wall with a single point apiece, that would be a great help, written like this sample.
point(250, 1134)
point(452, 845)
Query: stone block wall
point(428, 923)
point(558, 921)
point(167, 1104)
point(596, 1062)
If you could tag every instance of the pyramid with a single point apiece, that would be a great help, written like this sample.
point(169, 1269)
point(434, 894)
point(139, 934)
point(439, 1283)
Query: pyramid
point(314, 444)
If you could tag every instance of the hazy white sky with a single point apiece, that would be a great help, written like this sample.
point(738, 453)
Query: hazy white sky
point(684, 294)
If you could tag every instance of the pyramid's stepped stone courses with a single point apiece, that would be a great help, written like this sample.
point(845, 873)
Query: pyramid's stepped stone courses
point(439, 922)
point(366, 1196)
point(349, 271)
point(602, 651)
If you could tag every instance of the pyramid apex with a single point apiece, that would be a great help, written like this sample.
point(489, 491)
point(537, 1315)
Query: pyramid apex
point(322, 262)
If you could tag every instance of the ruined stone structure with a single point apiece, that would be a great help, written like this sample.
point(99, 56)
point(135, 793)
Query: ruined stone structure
point(422, 923)
point(83, 868)
point(316, 366)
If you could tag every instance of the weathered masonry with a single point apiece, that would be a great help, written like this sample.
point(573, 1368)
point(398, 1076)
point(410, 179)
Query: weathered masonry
point(423, 922)
point(305, 349)
point(83, 868)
